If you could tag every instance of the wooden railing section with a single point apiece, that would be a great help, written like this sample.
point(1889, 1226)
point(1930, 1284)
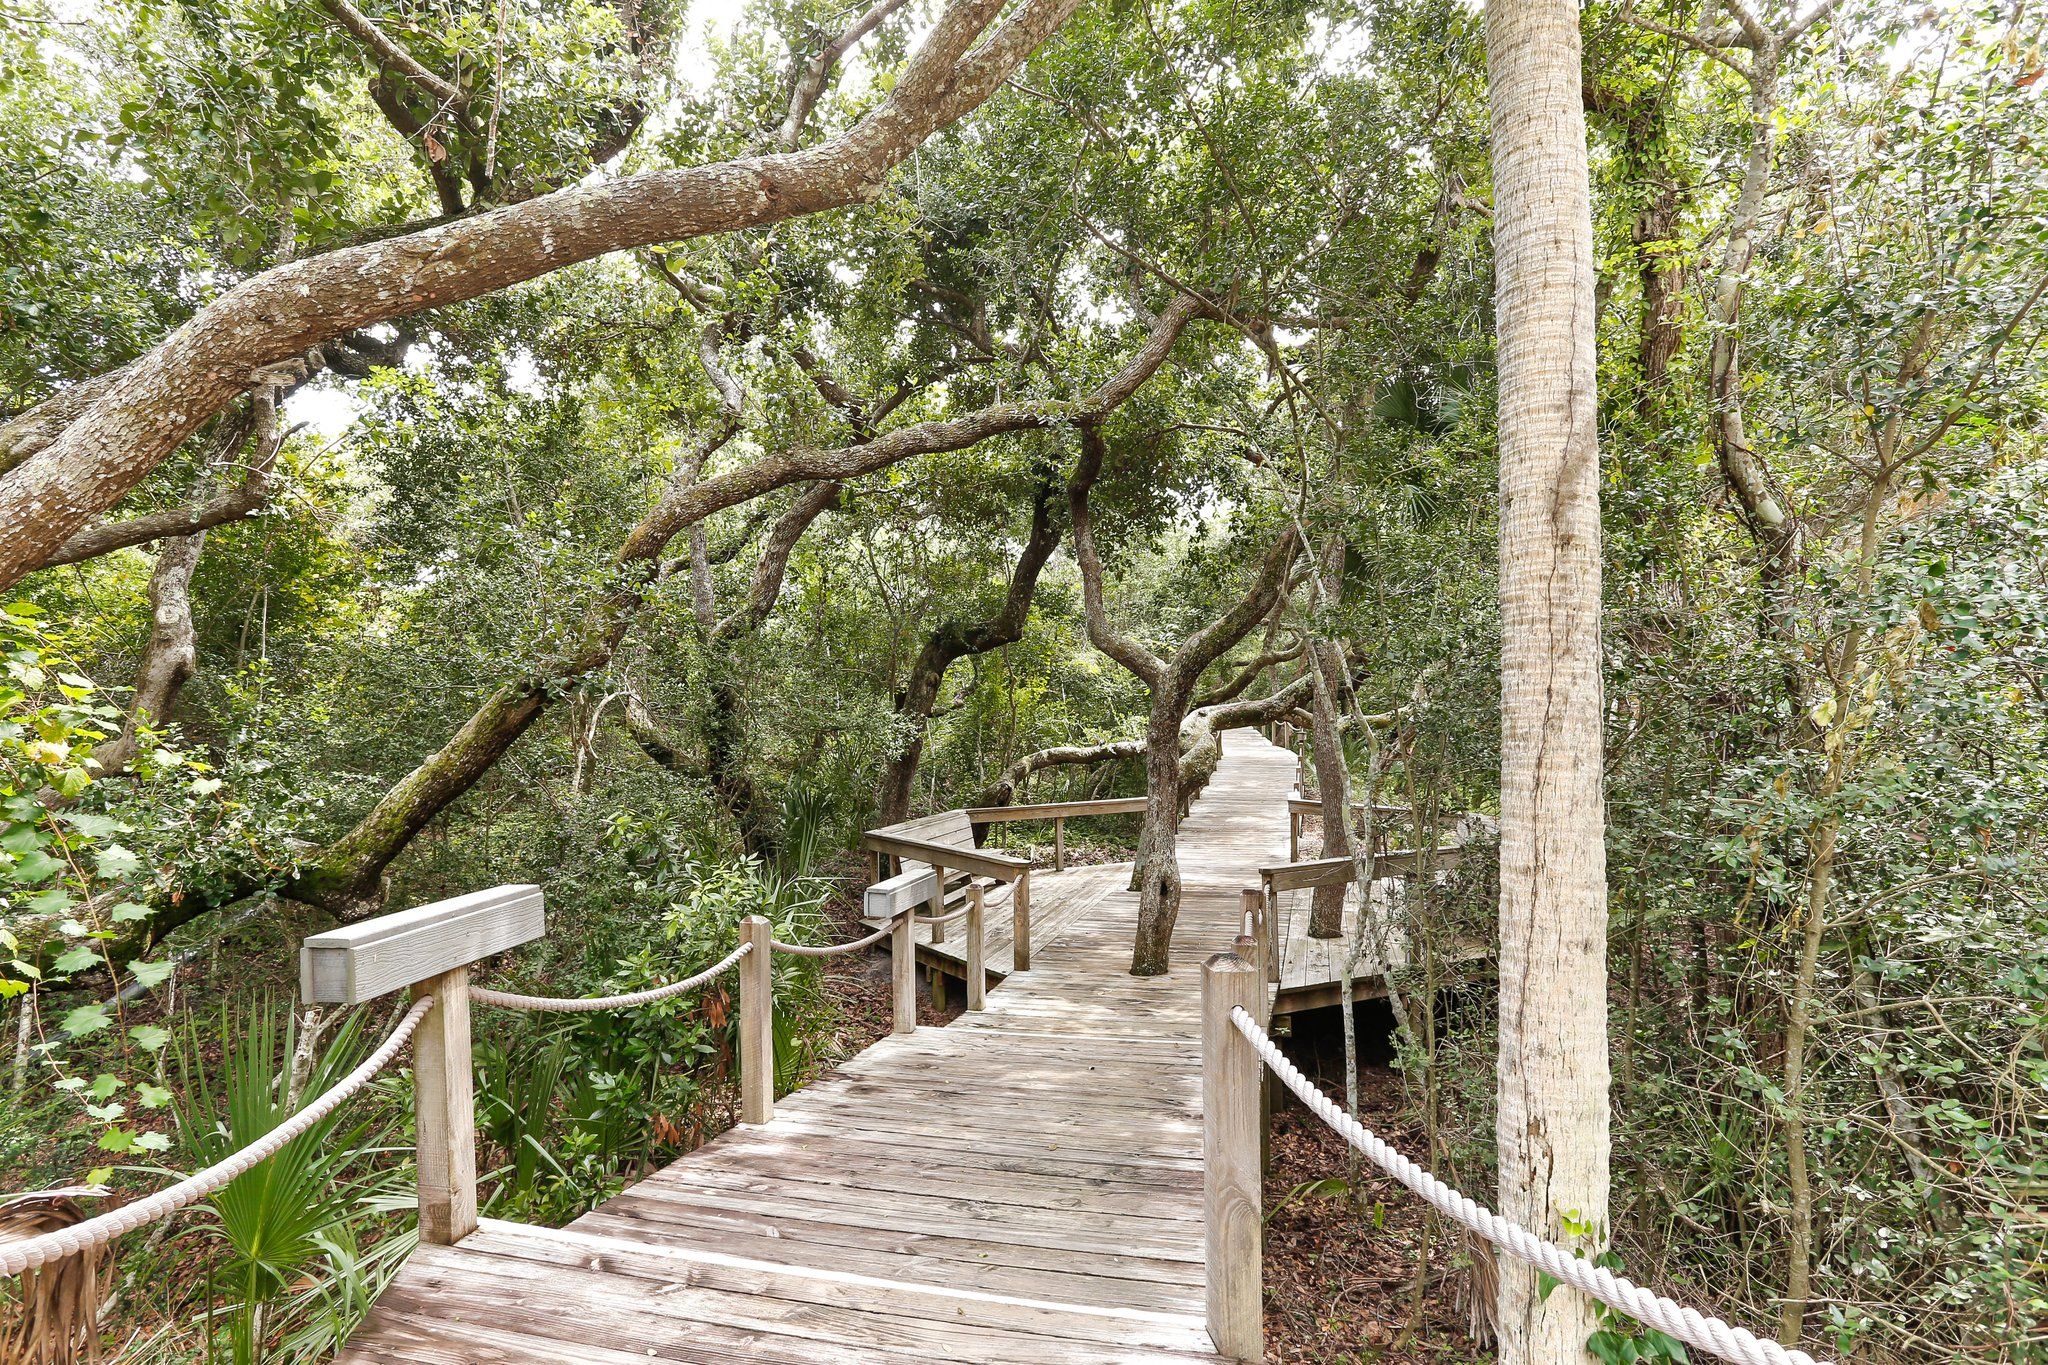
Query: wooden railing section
point(1059, 812)
point(429, 952)
point(937, 862)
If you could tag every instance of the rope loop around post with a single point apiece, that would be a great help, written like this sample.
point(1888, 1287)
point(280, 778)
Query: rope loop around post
point(1688, 1325)
point(550, 1004)
point(33, 1252)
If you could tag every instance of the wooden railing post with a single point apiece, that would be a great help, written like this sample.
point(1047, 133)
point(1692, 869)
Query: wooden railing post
point(430, 948)
point(1272, 932)
point(1230, 1159)
point(1293, 836)
point(977, 974)
point(1252, 905)
point(1020, 921)
point(938, 904)
point(1059, 843)
point(757, 1022)
point(444, 1118)
point(903, 968)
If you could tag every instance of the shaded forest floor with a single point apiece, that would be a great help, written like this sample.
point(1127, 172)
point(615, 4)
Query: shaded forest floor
point(1343, 1243)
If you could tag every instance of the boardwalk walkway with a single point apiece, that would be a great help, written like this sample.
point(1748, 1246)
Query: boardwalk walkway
point(1023, 1185)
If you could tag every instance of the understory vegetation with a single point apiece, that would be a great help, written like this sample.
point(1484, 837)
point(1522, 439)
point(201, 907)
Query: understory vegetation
point(1152, 392)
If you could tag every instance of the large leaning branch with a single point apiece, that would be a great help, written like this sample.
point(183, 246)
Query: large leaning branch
point(144, 412)
point(1201, 740)
point(956, 639)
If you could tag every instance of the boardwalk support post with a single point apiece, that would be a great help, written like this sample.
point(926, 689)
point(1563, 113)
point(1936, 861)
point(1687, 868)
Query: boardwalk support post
point(757, 1022)
point(1059, 843)
point(977, 973)
point(444, 1100)
point(1020, 919)
point(1230, 1159)
point(903, 969)
point(1252, 906)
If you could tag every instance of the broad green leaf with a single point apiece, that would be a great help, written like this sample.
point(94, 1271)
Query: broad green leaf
point(86, 1019)
point(93, 826)
point(151, 974)
point(78, 959)
point(116, 861)
point(149, 1037)
point(35, 867)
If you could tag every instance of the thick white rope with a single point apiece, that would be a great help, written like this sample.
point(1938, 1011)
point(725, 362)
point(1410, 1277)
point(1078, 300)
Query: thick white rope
point(961, 913)
point(554, 1004)
point(43, 1248)
point(807, 950)
point(1689, 1325)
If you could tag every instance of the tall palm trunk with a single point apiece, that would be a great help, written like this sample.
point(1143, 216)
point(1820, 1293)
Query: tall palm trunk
point(1553, 1107)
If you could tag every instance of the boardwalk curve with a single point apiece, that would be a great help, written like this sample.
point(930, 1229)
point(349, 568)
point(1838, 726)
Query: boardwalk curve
point(1023, 1185)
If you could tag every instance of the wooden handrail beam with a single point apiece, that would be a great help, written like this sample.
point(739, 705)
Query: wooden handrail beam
point(430, 948)
point(982, 863)
point(359, 962)
point(1311, 805)
point(1110, 805)
point(1400, 862)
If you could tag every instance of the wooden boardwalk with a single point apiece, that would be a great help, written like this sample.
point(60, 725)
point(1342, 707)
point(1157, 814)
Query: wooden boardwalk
point(1058, 901)
point(1023, 1185)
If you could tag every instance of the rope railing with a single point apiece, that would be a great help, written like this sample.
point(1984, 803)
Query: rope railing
point(43, 1248)
point(961, 913)
point(1688, 1325)
point(554, 1004)
point(359, 963)
point(834, 949)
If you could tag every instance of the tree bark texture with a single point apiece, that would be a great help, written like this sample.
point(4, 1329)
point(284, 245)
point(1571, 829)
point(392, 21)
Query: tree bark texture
point(1552, 1118)
point(1171, 682)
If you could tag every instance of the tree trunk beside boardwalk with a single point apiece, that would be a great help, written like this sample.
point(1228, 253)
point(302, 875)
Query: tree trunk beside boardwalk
point(1551, 1123)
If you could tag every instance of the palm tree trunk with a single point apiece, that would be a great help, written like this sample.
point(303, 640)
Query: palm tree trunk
point(1553, 1070)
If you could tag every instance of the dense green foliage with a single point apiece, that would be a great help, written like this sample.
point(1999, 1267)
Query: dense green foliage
point(1828, 742)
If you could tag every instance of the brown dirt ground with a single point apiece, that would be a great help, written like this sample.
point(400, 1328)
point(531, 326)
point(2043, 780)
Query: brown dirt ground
point(1342, 1256)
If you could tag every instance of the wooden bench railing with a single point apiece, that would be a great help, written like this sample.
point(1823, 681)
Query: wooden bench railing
point(1262, 921)
point(1301, 808)
point(943, 846)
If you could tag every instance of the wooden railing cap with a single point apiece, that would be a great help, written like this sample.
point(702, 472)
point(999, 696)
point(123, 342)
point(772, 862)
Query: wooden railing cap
point(360, 962)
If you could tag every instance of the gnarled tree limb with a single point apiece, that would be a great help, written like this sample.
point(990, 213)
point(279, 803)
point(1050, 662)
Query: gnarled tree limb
point(142, 414)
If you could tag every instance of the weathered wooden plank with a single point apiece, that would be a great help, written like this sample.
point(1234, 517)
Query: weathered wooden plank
point(905, 890)
point(982, 863)
point(360, 962)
